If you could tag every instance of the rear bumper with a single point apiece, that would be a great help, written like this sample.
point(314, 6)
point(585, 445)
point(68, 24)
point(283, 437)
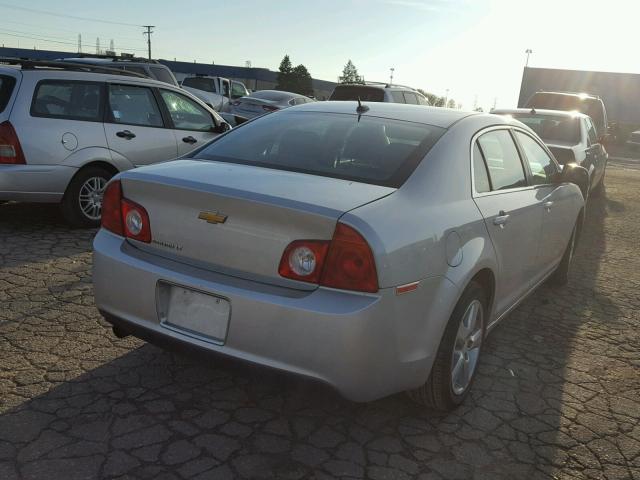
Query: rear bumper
point(34, 183)
point(366, 346)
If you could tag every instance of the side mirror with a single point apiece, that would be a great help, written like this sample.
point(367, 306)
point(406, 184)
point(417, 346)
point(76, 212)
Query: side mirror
point(574, 173)
point(221, 127)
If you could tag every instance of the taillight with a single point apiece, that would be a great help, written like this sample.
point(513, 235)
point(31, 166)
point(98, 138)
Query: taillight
point(269, 108)
point(124, 217)
point(346, 262)
point(10, 149)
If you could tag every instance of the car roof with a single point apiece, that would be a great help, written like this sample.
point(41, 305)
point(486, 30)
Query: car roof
point(582, 96)
point(437, 116)
point(539, 111)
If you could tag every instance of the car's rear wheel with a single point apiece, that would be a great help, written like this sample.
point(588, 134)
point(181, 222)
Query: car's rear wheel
point(561, 275)
point(458, 355)
point(82, 202)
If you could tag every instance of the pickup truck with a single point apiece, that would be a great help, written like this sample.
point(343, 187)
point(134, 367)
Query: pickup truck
point(214, 91)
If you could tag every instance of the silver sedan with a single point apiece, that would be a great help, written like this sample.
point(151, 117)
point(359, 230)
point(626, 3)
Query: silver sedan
point(370, 247)
point(266, 101)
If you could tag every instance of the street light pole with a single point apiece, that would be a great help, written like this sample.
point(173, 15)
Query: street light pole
point(391, 76)
point(528, 51)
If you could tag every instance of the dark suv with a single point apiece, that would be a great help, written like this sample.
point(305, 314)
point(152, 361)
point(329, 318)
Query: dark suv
point(148, 68)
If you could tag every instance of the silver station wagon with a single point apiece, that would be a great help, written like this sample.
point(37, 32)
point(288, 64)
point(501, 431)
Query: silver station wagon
point(370, 247)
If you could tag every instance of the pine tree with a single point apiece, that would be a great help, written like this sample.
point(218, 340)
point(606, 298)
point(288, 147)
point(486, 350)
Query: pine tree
point(285, 74)
point(302, 81)
point(350, 74)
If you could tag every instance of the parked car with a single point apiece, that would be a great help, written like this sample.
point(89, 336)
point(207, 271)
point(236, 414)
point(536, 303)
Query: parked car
point(571, 137)
point(378, 92)
point(349, 244)
point(66, 129)
point(633, 141)
point(233, 120)
point(265, 101)
point(591, 105)
point(148, 68)
point(217, 92)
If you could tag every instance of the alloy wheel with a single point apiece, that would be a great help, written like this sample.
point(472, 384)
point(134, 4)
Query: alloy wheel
point(90, 197)
point(466, 349)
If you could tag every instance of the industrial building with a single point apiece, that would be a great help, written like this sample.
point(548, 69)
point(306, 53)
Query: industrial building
point(253, 78)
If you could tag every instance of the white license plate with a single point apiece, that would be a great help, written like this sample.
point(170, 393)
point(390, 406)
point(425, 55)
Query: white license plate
point(194, 313)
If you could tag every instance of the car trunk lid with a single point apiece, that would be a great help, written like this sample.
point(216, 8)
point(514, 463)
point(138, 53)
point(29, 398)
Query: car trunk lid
point(238, 219)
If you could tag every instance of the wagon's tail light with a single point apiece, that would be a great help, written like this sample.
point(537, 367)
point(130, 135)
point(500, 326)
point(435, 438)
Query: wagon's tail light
point(10, 149)
point(124, 217)
point(346, 262)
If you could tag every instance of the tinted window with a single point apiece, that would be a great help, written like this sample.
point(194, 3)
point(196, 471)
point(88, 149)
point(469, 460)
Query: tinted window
point(6, 87)
point(554, 101)
point(163, 74)
point(503, 160)
point(238, 90)
point(187, 114)
point(540, 163)
point(133, 106)
point(366, 149)
point(480, 176)
point(398, 97)
point(591, 131)
point(410, 97)
point(134, 69)
point(200, 83)
point(353, 92)
point(65, 99)
point(552, 128)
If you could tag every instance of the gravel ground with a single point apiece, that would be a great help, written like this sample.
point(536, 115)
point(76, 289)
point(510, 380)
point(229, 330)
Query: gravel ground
point(557, 396)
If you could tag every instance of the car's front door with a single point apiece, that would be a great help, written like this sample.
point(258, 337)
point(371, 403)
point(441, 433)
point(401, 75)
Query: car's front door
point(555, 201)
point(511, 213)
point(193, 125)
point(135, 127)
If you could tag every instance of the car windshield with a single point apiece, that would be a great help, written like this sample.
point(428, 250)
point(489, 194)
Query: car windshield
point(552, 128)
point(271, 95)
point(365, 149)
point(6, 87)
point(353, 92)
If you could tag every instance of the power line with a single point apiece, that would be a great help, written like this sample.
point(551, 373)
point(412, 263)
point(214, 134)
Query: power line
point(30, 37)
point(68, 30)
point(49, 37)
point(53, 14)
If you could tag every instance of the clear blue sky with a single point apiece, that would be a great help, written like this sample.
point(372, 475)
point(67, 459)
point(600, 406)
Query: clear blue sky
point(474, 48)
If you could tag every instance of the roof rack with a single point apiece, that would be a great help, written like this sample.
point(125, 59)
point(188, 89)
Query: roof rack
point(115, 58)
point(27, 64)
point(385, 84)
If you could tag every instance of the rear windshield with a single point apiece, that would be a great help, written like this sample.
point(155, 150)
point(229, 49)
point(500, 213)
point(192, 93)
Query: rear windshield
point(164, 75)
point(372, 150)
point(6, 87)
point(554, 101)
point(552, 128)
point(353, 92)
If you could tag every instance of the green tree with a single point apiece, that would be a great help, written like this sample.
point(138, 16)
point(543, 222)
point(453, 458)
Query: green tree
point(350, 74)
point(301, 81)
point(451, 103)
point(285, 74)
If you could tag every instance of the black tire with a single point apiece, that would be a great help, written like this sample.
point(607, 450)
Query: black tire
point(71, 208)
point(560, 276)
point(438, 392)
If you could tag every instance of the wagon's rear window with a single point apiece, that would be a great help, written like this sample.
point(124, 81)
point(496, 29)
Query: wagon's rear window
point(366, 149)
point(6, 87)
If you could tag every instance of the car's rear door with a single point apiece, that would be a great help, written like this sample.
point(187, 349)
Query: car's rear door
point(193, 125)
point(135, 126)
point(555, 201)
point(512, 214)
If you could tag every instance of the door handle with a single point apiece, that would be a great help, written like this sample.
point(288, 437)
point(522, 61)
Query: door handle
point(548, 205)
point(189, 139)
point(126, 134)
point(501, 219)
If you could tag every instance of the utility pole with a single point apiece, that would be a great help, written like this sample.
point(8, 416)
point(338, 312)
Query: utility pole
point(79, 43)
point(148, 34)
point(528, 51)
point(446, 98)
point(391, 76)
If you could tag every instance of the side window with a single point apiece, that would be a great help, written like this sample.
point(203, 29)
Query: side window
point(187, 114)
point(135, 69)
point(163, 74)
point(411, 98)
point(502, 159)
point(480, 176)
point(200, 83)
point(133, 105)
point(542, 167)
point(237, 90)
point(422, 100)
point(398, 97)
point(591, 132)
point(70, 100)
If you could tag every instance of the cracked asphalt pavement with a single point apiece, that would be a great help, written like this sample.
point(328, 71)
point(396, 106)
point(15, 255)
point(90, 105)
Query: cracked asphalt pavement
point(557, 394)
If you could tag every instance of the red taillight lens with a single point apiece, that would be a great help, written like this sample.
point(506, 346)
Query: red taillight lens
point(350, 264)
point(303, 260)
point(136, 221)
point(346, 262)
point(269, 108)
point(111, 216)
point(124, 217)
point(10, 149)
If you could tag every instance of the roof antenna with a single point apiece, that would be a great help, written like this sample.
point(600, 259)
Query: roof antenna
point(361, 108)
point(533, 111)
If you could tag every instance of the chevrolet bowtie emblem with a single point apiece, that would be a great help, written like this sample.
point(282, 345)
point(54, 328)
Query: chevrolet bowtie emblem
point(212, 217)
